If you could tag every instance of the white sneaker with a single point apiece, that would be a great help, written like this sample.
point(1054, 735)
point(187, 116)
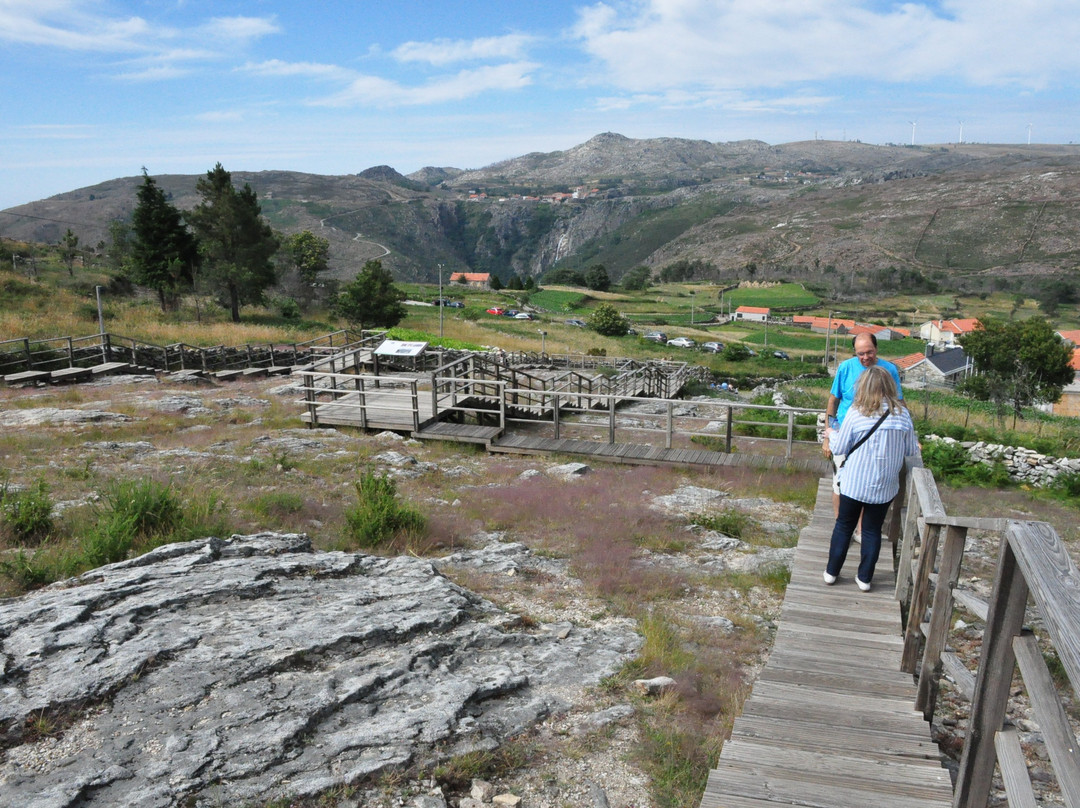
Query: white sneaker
point(865, 587)
point(829, 579)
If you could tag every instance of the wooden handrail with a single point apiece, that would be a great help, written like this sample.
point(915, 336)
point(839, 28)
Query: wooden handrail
point(1034, 564)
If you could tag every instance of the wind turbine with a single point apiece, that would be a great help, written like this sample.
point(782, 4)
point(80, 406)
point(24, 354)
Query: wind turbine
point(913, 131)
point(961, 132)
point(1029, 134)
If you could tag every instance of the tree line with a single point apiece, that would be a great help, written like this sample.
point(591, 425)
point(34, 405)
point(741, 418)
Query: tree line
point(224, 246)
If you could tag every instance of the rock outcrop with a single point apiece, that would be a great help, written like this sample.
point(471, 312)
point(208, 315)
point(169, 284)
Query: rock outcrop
point(228, 672)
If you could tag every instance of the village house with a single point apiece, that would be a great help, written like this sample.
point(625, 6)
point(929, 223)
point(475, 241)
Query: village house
point(476, 280)
point(1069, 403)
point(753, 314)
point(838, 325)
point(935, 368)
point(947, 332)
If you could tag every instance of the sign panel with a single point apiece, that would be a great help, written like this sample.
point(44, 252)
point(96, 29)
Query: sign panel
point(394, 347)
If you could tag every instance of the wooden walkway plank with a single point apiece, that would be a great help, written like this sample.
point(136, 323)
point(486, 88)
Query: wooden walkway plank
point(831, 719)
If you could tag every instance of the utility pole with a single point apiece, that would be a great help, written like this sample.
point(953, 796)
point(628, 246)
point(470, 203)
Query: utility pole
point(828, 332)
point(441, 302)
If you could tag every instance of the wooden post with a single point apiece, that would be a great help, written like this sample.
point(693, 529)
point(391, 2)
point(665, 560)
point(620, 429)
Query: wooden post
point(71, 353)
point(309, 396)
point(920, 598)
point(611, 419)
point(555, 413)
point(29, 355)
point(415, 400)
point(923, 493)
point(993, 683)
point(361, 396)
point(952, 553)
point(727, 442)
point(667, 436)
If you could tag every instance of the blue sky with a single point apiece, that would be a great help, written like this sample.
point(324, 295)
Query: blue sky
point(97, 89)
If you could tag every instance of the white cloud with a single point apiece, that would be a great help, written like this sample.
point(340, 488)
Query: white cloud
point(657, 44)
point(154, 73)
point(376, 91)
point(220, 116)
point(240, 29)
point(445, 51)
point(78, 25)
point(315, 70)
point(63, 24)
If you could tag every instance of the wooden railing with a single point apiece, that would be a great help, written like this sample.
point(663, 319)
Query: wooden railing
point(1033, 560)
point(65, 352)
point(366, 398)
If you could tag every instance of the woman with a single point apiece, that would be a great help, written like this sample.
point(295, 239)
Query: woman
point(871, 473)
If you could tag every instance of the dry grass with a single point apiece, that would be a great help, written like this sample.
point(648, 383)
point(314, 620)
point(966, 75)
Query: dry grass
point(617, 547)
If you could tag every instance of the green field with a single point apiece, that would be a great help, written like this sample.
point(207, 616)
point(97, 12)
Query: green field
point(784, 296)
point(558, 301)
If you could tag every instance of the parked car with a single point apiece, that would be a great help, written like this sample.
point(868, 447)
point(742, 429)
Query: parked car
point(496, 311)
point(511, 313)
point(780, 355)
point(454, 304)
point(523, 315)
point(712, 347)
point(682, 342)
point(577, 323)
point(656, 336)
point(440, 301)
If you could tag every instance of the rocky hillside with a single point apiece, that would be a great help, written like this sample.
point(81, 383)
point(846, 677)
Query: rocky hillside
point(848, 217)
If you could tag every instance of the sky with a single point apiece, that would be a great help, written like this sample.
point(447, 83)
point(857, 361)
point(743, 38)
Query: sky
point(91, 90)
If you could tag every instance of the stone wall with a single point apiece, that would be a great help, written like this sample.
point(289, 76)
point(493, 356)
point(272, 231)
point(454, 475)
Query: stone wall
point(1024, 465)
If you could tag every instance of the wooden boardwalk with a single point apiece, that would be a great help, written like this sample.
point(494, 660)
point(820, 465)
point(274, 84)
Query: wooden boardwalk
point(644, 454)
point(831, 720)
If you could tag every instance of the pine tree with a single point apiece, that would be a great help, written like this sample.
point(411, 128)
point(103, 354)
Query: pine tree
point(237, 246)
point(371, 300)
point(163, 253)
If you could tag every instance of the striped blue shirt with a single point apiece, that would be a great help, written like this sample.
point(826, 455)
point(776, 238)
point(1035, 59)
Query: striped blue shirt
point(871, 473)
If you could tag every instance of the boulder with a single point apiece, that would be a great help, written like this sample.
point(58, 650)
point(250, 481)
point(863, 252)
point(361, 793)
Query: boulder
point(240, 671)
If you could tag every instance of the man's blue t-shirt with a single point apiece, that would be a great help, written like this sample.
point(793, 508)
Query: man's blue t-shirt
point(847, 374)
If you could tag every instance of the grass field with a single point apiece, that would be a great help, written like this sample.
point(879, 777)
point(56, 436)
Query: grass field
point(784, 296)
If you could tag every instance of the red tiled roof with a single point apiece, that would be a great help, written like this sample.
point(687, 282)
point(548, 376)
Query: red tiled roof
point(1075, 363)
point(1070, 336)
point(961, 326)
point(752, 310)
point(471, 277)
point(905, 362)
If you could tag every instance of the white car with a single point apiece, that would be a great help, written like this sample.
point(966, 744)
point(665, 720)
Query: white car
point(523, 315)
point(682, 342)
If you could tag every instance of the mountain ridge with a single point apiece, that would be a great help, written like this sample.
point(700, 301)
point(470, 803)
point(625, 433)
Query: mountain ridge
point(846, 216)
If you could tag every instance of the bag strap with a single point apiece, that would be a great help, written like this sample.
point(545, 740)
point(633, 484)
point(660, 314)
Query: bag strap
point(864, 438)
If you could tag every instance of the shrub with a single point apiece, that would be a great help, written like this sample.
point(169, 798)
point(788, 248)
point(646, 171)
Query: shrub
point(26, 515)
point(109, 541)
point(379, 515)
point(287, 308)
point(946, 460)
point(1067, 485)
point(606, 321)
point(147, 506)
point(32, 570)
point(277, 504)
point(729, 522)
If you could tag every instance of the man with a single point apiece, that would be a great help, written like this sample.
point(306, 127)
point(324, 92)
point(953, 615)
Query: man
point(843, 393)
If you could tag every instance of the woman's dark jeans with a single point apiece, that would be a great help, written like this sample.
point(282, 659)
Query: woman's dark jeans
point(847, 517)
